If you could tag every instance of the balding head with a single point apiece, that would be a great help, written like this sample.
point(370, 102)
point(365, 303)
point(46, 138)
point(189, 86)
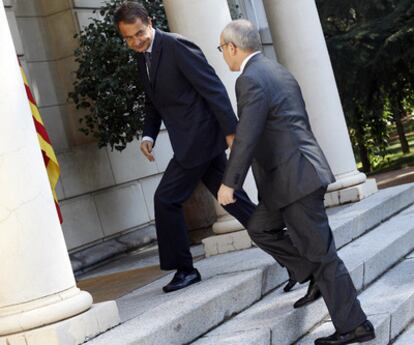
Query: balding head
point(238, 40)
point(243, 34)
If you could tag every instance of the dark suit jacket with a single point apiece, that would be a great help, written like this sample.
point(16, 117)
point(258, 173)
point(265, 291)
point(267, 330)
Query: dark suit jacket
point(274, 135)
point(185, 92)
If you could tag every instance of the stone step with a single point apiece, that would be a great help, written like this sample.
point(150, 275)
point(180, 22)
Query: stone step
point(347, 222)
point(389, 304)
point(256, 336)
point(232, 282)
point(229, 286)
point(406, 337)
point(352, 221)
point(367, 258)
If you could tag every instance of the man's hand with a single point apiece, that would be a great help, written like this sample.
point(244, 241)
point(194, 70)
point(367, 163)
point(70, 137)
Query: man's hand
point(225, 195)
point(229, 140)
point(146, 148)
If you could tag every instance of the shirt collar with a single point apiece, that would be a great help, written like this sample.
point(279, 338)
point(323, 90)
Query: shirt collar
point(246, 60)
point(149, 50)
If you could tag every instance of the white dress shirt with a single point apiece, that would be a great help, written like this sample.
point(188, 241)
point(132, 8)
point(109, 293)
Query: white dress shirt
point(149, 50)
point(246, 60)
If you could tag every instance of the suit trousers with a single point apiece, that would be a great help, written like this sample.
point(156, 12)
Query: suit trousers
point(176, 186)
point(308, 249)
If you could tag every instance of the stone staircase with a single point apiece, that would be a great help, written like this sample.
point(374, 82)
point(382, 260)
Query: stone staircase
point(241, 300)
point(407, 337)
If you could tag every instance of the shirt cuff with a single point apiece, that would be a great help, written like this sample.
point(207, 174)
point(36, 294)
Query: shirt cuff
point(148, 139)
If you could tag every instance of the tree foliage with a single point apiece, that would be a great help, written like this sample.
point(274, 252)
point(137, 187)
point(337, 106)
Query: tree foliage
point(107, 87)
point(371, 44)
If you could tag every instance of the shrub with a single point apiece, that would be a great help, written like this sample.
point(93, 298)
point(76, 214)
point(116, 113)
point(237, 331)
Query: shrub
point(107, 85)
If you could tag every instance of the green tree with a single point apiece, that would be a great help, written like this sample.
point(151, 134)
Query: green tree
point(371, 48)
point(107, 87)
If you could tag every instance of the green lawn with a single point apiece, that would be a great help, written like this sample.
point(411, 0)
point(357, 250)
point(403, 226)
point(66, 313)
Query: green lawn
point(394, 158)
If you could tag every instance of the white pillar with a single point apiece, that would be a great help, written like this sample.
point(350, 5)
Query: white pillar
point(300, 46)
point(202, 22)
point(37, 286)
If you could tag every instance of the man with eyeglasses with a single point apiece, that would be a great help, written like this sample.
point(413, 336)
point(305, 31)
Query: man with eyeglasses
point(274, 136)
point(184, 92)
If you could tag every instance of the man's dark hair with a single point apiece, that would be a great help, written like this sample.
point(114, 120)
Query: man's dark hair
point(129, 12)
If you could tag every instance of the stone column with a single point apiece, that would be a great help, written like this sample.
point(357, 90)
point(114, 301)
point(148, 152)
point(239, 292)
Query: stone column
point(300, 46)
point(202, 22)
point(38, 287)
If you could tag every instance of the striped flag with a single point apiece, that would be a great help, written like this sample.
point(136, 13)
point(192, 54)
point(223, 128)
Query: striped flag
point(49, 157)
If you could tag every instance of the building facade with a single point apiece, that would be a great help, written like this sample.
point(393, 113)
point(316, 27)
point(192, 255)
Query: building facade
point(106, 197)
point(103, 194)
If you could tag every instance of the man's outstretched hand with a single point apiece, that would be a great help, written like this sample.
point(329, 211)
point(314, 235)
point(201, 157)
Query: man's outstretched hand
point(146, 148)
point(225, 195)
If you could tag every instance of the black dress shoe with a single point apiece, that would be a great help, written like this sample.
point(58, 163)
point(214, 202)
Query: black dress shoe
point(312, 294)
point(364, 332)
point(290, 284)
point(181, 280)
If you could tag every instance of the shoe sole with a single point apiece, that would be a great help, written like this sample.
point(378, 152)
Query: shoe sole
point(366, 338)
point(361, 340)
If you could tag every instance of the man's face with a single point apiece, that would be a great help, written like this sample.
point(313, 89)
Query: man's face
point(228, 54)
point(138, 35)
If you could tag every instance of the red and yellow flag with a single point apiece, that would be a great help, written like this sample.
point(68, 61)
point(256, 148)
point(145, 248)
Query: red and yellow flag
point(49, 157)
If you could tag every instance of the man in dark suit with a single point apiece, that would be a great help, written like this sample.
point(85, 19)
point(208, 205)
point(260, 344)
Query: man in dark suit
point(184, 92)
point(292, 175)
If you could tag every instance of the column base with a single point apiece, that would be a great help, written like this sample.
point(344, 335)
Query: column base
point(351, 194)
point(226, 224)
point(43, 311)
point(74, 331)
point(353, 178)
point(228, 242)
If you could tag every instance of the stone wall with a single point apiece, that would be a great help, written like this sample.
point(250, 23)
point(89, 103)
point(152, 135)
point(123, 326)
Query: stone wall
point(102, 193)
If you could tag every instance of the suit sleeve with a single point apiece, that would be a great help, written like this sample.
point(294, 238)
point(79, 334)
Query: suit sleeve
point(194, 66)
point(253, 112)
point(152, 121)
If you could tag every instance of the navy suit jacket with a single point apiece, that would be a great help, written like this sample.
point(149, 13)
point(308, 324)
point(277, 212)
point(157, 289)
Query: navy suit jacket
point(184, 91)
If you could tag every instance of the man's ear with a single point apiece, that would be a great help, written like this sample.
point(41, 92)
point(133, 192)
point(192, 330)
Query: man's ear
point(233, 48)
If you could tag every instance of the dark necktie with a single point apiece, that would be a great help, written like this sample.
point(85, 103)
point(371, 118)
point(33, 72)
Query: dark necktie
point(148, 63)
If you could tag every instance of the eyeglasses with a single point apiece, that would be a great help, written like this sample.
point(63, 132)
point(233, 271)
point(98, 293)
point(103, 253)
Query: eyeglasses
point(220, 47)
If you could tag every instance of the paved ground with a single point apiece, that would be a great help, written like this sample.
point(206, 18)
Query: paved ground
point(115, 285)
point(395, 177)
point(126, 273)
point(133, 270)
